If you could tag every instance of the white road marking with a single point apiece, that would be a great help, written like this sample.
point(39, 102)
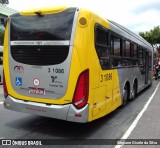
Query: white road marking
point(133, 125)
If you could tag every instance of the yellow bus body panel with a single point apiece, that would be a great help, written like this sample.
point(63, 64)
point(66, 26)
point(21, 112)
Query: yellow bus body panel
point(104, 96)
point(48, 10)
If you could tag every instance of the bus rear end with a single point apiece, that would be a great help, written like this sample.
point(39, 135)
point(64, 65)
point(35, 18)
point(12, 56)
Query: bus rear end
point(42, 73)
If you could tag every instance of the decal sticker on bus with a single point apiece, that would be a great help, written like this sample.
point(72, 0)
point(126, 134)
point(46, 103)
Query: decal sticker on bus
point(38, 91)
point(19, 69)
point(36, 82)
point(18, 81)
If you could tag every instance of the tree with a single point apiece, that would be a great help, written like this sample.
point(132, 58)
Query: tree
point(4, 2)
point(153, 37)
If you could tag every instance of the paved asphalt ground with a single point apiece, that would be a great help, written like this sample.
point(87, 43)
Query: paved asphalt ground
point(148, 127)
point(15, 125)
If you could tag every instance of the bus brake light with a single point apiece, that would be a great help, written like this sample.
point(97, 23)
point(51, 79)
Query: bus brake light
point(80, 98)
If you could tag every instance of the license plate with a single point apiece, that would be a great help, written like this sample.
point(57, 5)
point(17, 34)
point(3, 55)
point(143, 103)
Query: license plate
point(38, 91)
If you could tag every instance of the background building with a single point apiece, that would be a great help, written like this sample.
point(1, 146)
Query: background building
point(4, 13)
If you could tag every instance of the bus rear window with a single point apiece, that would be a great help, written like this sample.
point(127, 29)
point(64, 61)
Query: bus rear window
point(42, 27)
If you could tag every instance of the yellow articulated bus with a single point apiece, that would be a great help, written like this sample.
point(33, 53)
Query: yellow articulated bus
point(70, 64)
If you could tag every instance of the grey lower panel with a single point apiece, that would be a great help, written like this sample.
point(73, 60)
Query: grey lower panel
point(78, 115)
point(63, 112)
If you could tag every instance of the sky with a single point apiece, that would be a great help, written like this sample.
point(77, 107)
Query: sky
point(136, 15)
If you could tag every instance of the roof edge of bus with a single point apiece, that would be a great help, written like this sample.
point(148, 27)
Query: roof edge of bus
point(44, 10)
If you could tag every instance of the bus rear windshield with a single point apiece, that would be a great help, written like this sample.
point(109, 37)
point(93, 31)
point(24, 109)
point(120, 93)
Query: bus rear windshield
point(56, 26)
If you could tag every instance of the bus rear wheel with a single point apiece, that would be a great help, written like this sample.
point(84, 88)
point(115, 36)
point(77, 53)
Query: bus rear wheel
point(134, 91)
point(125, 95)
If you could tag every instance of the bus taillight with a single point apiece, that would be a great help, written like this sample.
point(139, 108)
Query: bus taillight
point(80, 98)
point(4, 86)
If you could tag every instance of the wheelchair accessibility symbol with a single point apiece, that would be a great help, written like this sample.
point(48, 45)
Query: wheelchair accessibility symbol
point(18, 81)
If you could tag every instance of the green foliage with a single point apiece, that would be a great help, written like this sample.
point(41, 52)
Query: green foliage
point(4, 2)
point(152, 36)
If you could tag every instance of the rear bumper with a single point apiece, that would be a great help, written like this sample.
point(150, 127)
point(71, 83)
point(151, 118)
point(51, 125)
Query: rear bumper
point(64, 112)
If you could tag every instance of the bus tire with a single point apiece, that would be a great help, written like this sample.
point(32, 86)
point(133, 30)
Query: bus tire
point(125, 95)
point(134, 91)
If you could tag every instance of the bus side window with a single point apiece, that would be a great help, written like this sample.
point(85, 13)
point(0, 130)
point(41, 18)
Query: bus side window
point(134, 54)
point(116, 62)
point(116, 51)
point(102, 46)
point(140, 60)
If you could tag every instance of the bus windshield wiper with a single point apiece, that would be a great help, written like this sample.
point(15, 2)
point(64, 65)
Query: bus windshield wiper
point(39, 14)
